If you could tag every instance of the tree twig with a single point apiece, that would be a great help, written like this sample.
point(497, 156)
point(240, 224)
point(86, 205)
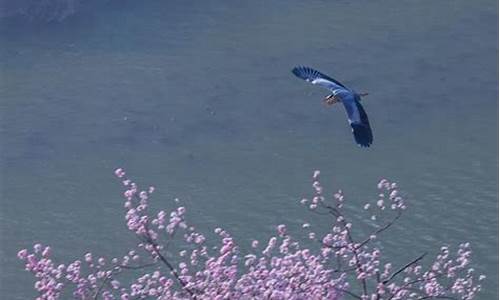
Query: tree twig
point(403, 268)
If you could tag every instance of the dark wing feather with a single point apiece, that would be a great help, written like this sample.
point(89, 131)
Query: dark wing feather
point(310, 74)
point(362, 131)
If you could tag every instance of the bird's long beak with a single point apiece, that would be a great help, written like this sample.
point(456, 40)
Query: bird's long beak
point(363, 94)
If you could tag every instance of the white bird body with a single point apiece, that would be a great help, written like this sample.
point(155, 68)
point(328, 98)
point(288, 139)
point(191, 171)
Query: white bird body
point(356, 115)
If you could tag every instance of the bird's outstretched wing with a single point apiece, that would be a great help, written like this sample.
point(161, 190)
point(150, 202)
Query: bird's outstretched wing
point(317, 78)
point(355, 113)
point(359, 122)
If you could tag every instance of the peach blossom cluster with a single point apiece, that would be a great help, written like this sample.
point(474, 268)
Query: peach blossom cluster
point(173, 260)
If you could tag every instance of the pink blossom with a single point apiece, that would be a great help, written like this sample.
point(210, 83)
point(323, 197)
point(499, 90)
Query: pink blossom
point(22, 254)
point(88, 257)
point(285, 269)
point(37, 248)
point(46, 252)
point(281, 230)
point(119, 173)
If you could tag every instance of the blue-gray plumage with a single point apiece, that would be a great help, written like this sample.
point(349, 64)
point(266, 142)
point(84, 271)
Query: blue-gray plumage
point(356, 115)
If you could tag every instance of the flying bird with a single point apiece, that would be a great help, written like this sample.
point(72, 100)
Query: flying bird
point(356, 115)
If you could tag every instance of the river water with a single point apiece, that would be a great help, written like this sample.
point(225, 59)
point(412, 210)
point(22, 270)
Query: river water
point(197, 99)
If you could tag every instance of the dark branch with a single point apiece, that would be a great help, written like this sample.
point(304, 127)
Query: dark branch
point(403, 268)
point(381, 229)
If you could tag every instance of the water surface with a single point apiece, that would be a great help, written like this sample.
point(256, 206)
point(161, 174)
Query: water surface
point(197, 99)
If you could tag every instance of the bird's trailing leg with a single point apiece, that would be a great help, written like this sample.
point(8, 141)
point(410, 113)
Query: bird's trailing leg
point(331, 99)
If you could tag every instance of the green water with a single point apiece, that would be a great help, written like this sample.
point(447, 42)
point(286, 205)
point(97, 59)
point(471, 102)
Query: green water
point(197, 99)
